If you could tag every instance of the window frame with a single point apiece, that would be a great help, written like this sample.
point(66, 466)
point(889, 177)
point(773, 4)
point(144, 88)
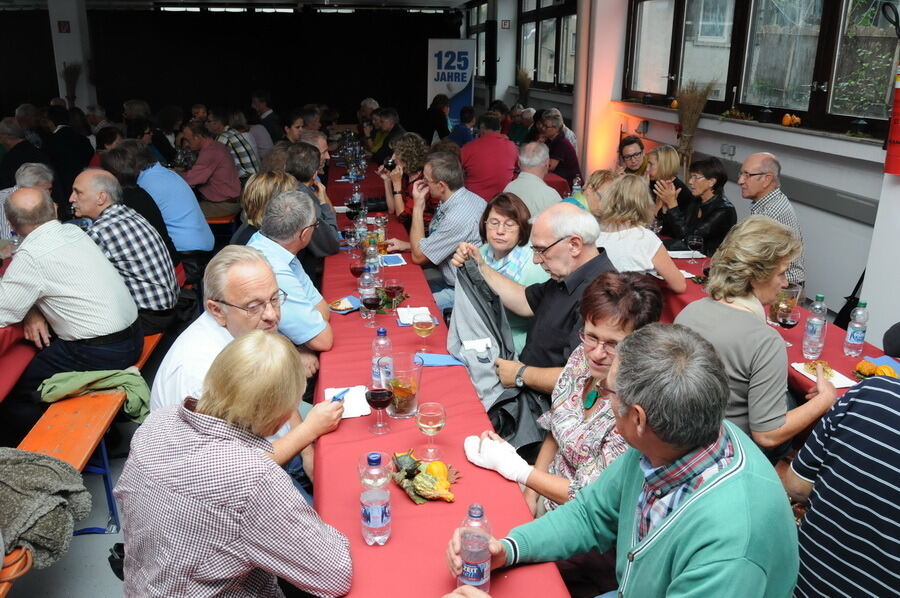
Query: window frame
point(824, 68)
point(557, 10)
point(473, 31)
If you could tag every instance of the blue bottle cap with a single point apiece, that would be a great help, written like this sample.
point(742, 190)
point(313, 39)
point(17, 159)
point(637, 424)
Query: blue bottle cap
point(382, 332)
point(374, 459)
point(476, 511)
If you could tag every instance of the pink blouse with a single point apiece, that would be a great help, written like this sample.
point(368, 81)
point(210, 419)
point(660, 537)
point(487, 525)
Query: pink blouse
point(586, 446)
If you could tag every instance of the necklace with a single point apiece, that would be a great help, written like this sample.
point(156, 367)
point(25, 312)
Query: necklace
point(591, 397)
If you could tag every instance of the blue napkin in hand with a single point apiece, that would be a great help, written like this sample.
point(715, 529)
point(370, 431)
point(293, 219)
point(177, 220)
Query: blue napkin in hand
point(438, 359)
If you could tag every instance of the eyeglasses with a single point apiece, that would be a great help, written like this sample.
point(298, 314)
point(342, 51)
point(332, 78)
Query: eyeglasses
point(696, 177)
point(313, 226)
point(746, 175)
point(508, 224)
point(542, 250)
point(633, 156)
point(254, 310)
point(591, 343)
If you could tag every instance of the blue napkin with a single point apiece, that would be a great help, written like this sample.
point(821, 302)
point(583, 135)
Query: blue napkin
point(353, 300)
point(392, 260)
point(438, 359)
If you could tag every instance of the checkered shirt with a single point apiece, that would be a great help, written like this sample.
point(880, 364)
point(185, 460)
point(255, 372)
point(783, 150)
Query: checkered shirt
point(244, 157)
point(206, 513)
point(668, 486)
point(139, 255)
point(776, 206)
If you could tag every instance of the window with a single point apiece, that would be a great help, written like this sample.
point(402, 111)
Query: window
point(476, 17)
point(547, 42)
point(828, 61)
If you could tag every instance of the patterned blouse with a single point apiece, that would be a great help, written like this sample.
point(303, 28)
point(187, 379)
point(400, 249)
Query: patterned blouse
point(586, 446)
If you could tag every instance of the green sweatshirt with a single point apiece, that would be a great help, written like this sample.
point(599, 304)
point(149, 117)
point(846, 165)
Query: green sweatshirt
point(734, 536)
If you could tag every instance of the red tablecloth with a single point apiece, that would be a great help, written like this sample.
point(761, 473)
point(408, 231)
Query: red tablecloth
point(833, 352)
point(558, 183)
point(338, 191)
point(15, 352)
point(412, 562)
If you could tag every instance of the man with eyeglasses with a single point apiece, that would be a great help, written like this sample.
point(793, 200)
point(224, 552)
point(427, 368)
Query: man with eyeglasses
point(759, 180)
point(240, 294)
point(563, 239)
point(633, 159)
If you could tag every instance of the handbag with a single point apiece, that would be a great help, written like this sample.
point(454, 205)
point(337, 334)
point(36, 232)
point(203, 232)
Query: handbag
point(843, 317)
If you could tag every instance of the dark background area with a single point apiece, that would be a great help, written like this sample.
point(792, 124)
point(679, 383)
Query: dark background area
point(219, 58)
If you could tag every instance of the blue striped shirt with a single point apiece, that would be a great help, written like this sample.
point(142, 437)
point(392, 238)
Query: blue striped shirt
point(850, 538)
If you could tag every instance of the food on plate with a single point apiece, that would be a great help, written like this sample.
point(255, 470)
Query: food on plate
point(810, 367)
point(342, 304)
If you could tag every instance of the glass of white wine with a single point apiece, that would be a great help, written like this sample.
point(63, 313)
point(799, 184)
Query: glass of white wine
point(423, 325)
point(430, 418)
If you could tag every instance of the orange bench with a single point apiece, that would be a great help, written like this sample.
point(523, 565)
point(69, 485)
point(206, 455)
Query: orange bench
point(221, 220)
point(150, 342)
point(15, 564)
point(72, 430)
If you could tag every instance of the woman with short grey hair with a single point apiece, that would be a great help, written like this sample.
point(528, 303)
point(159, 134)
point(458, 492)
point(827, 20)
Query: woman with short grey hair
point(748, 272)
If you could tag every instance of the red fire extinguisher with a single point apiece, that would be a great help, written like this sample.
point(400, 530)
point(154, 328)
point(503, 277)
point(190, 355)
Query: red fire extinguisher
point(892, 144)
point(892, 161)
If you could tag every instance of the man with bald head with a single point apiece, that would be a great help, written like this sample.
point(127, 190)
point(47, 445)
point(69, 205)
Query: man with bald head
point(60, 281)
point(759, 180)
point(131, 244)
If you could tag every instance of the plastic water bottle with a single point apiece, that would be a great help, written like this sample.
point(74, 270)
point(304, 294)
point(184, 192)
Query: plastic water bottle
point(814, 336)
point(375, 501)
point(856, 330)
point(475, 536)
point(381, 347)
point(373, 262)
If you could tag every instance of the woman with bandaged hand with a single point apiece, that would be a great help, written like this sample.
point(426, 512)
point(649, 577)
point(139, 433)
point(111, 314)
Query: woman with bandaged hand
point(582, 440)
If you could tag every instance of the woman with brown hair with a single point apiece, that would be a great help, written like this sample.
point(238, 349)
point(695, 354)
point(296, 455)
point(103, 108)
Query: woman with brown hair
point(409, 155)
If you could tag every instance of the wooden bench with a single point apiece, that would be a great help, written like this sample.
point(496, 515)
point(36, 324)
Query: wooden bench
point(150, 343)
point(72, 430)
point(15, 564)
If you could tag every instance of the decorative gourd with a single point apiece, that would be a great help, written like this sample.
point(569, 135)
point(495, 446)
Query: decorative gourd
point(885, 370)
point(866, 368)
point(431, 487)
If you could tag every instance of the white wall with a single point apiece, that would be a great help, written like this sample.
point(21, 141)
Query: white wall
point(73, 47)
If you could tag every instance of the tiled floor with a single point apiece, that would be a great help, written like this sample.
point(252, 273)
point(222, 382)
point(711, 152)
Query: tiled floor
point(83, 572)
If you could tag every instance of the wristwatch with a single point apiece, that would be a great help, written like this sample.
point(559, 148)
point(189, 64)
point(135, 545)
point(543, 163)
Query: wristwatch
point(520, 381)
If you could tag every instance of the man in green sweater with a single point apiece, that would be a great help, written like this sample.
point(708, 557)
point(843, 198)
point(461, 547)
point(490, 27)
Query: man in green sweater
point(693, 509)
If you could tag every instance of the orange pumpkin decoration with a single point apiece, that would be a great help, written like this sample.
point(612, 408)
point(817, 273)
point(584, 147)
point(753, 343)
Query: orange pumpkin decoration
point(674, 104)
point(795, 120)
point(786, 120)
point(885, 370)
point(866, 368)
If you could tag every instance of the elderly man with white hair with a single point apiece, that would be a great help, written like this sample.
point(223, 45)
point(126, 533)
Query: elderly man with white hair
point(19, 150)
point(29, 174)
point(131, 244)
point(563, 239)
point(534, 164)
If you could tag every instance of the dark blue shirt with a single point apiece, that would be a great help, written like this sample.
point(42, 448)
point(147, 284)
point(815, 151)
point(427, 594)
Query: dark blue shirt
point(461, 135)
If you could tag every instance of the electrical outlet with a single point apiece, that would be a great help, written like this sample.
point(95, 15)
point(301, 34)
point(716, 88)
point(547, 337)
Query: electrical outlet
point(727, 149)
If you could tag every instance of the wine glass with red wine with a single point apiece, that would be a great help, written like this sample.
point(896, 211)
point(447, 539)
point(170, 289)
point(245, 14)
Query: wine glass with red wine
point(357, 267)
point(788, 317)
point(393, 289)
point(378, 399)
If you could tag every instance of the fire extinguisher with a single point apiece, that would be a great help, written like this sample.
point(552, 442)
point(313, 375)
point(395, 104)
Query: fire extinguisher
point(892, 143)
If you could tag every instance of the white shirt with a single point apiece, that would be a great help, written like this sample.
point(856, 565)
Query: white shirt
point(532, 190)
point(61, 270)
point(5, 230)
point(184, 367)
point(631, 249)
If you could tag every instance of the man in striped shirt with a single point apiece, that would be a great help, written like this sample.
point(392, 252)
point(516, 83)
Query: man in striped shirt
point(131, 244)
point(848, 471)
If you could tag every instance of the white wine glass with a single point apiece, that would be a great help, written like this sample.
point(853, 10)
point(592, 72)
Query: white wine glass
point(423, 325)
point(430, 419)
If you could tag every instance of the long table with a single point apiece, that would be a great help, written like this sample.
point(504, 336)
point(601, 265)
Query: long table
point(412, 562)
point(833, 352)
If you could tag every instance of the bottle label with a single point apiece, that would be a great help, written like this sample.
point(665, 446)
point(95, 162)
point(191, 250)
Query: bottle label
point(382, 373)
point(856, 336)
point(475, 574)
point(376, 515)
point(814, 329)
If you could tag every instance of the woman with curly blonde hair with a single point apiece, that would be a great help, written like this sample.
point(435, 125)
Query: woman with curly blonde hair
point(625, 208)
point(260, 188)
point(748, 272)
point(409, 155)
